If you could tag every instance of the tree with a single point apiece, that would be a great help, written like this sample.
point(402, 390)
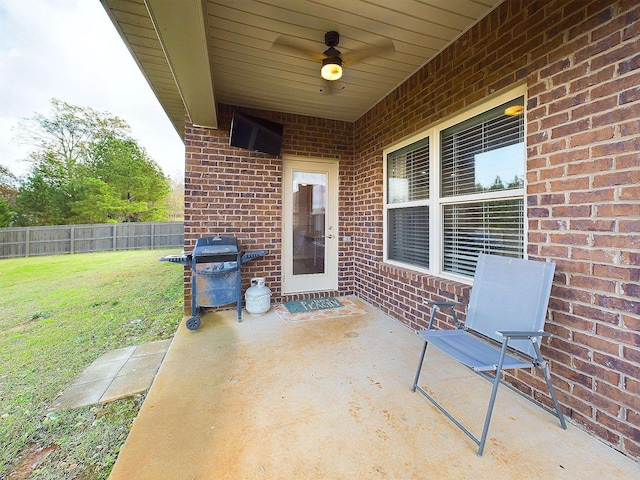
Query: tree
point(86, 168)
point(8, 192)
point(175, 201)
point(134, 176)
point(68, 132)
point(40, 200)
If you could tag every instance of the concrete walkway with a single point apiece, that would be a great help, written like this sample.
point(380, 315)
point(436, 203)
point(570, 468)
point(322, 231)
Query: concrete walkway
point(331, 399)
point(116, 374)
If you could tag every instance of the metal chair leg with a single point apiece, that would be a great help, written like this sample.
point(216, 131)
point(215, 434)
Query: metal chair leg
point(492, 400)
point(415, 382)
point(547, 377)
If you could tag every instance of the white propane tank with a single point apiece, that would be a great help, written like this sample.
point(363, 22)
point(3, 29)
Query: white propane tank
point(258, 297)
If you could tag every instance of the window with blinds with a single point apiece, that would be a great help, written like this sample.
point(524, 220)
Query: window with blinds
point(479, 205)
point(408, 223)
point(483, 155)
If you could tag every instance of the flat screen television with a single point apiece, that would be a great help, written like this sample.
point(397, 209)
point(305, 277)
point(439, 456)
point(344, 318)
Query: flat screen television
point(257, 134)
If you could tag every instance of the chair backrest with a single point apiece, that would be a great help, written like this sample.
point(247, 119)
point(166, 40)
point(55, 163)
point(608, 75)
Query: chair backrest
point(509, 294)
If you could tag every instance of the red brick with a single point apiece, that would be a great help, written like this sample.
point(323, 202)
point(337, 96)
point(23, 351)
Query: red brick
point(573, 375)
point(618, 209)
point(592, 136)
point(616, 241)
point(615, 86)
point(570, 184)
point(596, 371)
point(592, 197)
point(617, 178)
point(631, 385)
point(593, 225)
point(569, 157)
point(593, 283)
point(619, 335)
point(617, 116)
point(571, 211)
point(593, 313)
point(623, 428)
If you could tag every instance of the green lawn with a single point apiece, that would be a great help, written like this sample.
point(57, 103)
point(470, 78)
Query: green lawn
point(57, 315)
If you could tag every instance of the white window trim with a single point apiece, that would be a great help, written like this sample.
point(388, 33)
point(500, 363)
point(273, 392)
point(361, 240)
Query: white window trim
point(435, 203)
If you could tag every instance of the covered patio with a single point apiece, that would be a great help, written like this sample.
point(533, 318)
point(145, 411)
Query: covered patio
point(331, 399)
point(464, 127)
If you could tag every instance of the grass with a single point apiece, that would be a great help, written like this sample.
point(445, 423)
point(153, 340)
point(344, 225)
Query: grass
point(57, 315)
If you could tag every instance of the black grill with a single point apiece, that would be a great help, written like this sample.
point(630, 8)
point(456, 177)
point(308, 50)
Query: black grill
point(216, 276)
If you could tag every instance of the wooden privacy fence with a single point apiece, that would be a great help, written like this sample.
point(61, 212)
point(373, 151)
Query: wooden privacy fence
point(32, 241)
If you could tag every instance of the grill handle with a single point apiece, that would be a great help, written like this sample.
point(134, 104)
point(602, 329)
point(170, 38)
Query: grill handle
point(215, 271)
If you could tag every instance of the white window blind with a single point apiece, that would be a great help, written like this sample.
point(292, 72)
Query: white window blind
point(408, 173)
point(408, 235)
point(495, 227)
point(482, 155)
point(408, 223)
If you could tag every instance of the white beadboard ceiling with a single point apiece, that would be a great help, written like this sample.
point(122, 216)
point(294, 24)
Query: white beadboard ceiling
point(197, 53)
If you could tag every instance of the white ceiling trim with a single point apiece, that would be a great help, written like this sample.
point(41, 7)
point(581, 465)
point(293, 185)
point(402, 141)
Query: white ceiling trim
point(182, 29)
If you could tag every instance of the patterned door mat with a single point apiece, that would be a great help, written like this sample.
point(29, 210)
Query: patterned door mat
point(300, 306)
point(347, 308)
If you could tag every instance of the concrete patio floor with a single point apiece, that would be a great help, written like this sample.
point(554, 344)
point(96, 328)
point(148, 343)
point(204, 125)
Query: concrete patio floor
point(331, 399)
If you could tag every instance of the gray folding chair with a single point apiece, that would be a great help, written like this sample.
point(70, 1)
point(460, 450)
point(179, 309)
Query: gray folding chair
point(503, 329)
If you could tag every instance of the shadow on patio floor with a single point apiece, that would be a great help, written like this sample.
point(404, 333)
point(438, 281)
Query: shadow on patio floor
point(331, 399)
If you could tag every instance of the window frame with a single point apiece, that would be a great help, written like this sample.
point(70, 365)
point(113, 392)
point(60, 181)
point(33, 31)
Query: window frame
point(436, 202)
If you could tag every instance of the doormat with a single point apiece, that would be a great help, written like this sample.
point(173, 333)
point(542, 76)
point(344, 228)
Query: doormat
point(299, 306)
point(347, 308)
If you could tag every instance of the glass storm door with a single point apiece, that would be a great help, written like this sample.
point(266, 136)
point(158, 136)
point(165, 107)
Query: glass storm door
point(310, 235)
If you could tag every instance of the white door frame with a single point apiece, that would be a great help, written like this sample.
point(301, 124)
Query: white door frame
point(310, 282)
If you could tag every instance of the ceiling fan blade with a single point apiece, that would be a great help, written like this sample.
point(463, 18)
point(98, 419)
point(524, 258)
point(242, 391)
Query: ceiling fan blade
point(382, 47)
point(288, 45)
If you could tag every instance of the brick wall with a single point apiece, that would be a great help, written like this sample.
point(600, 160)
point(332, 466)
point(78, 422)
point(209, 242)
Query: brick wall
point(238, 192)
point(581, 65)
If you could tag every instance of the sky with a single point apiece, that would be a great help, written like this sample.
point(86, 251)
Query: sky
point(70, 50)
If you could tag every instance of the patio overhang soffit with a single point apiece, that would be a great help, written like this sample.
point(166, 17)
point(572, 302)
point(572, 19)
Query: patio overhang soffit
point(195, 53)
point(169, 41)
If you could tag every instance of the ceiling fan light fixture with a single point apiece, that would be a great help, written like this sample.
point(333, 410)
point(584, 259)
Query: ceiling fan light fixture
point(331, 68)
point(514, 110)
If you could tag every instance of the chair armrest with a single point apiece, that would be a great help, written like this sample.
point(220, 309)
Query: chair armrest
point(445, 304)
point(449, 305)
point(523, 334)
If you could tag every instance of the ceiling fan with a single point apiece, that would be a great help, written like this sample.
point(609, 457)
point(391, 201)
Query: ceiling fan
point(332, 59)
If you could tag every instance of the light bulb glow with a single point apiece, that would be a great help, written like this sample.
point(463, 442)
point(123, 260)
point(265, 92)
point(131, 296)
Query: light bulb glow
point(331, 69)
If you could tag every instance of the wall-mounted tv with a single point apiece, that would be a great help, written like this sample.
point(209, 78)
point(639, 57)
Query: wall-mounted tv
point(257, 134)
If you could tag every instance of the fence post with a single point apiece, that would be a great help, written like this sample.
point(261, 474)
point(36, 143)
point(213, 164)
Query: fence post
point(114, 228)
point(153, 232)
point(26, 243)
point(72, 237)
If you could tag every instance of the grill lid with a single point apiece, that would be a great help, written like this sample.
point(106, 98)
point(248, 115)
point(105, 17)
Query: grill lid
point(215, 246)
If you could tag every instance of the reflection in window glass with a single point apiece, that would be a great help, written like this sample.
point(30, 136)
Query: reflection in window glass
point(309, 208)
point(484, 153)
point(408, 173)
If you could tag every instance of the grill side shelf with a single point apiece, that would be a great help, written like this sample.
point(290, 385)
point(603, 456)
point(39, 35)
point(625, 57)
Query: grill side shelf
point(250, 255)
point(182, 259)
